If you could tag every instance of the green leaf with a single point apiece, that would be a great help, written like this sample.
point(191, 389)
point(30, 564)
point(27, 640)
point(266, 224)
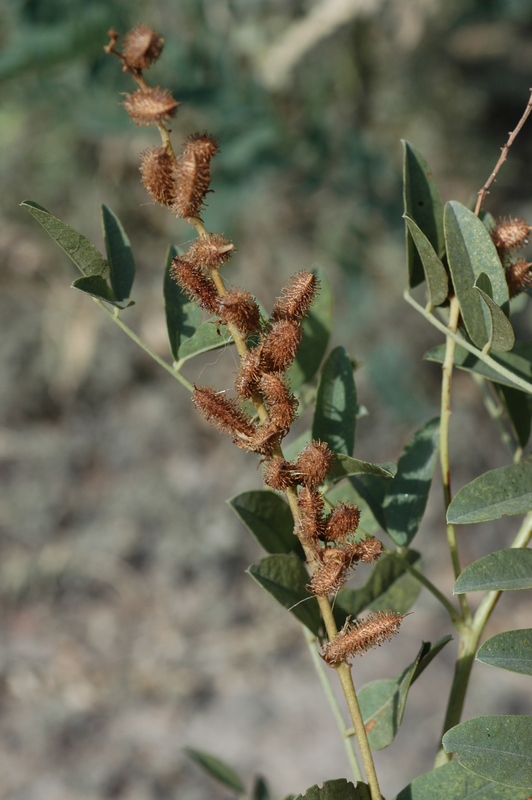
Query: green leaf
point(511, 650)
point(316, 333)
point(345, 492)
point(183, 317)
point(496, 748)
point(471, 251)
point(119, 255)
point(518, 406)
point(85, 256)
point(216, 769)
point(422, 204)
point(208, 336)
point(345, 465)
point(269, 519)
point(339, 789)
point(389, 585)
point(261, 789)
point(435, 273)
point(495, 494)
point(383, 702)
point(453, 782)
point(516, 361)
point(407, 495)
point(501, 335)
point(504, 570)
point(373, 490)
point(96, 286)
point(285, 578)
point(335, 411)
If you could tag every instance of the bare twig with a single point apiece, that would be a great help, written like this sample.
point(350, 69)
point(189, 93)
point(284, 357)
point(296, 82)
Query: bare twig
point(504, 152)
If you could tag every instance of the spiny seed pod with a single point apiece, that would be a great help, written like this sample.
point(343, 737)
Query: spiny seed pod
point(248, 378)
point(211, 251)
point(357, 637)
point(141, 47)
point(280, 401)
point(239, 308)
point(313, 463)
point(511, 233)
point(278, 474)
point(342, 521)
point(150, 106)
point(264, 439)
point(157, 169)
point(199, 287)
point(279, 347)
point(332, 572)
point(367, 550)
point(224, 414)
point(296, 297)
point(193, 175)
point(310, 525)
point(518, 277)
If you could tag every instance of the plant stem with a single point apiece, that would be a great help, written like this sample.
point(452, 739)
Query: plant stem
point(505, 373)
point(468, 646)
point(445, 416)
point(495, 409)
point(114, 315)
point(323, 675)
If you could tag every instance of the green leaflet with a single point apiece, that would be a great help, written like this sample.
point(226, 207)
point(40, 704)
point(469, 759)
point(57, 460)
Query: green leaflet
point(503, 570)
point(501, 335)
point(422, 203)
point(511, 650)
point(495, 494)
point(285, 578)
point(435, 272)
point(496, 748)
point(208, 336)
point(268, 517)
point(339, 789)
point(453, 782)
point(119, 255)
point(517, 361)
point(344, 465)
point(217, 769)
point(335, 411)
point(183, 317)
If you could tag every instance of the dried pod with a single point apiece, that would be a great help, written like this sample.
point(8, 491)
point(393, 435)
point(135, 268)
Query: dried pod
point(296, 297)
point(511, 233)
point(199, 287)
point(240, 309)
point(150, 106)
point(280, 401)
point(310, 525)
point(278, 474)
point(313, 464)
point(224, 414)
point(211, 251)
point(247, 381)
point(157, 167)
point(358, 636)
point(518, 277)
point(193, 174)
point(332, 571)
point(342, 521)
point(367, 550)
point(265, 437)
point(279, 347)
point(141, 47)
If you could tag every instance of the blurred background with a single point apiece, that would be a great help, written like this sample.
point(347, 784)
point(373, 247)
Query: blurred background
point(129, 629)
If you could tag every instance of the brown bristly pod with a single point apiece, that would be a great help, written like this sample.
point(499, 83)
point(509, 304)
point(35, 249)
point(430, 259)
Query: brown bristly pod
point(225, 414)
point(266, 436)
point(280, 402)
point(240, 309)
point(279, 346)
point(151, 106)
point(247, 381)
point(313, 463)
point(157, 170)
point(356, 637)
point(367, 550)
point(198, 286)
point(297, 295)
point(278, 474)
point(141, 47)
point(210, 251)
point(511, 233)
point(332, 572)
point(193, 176)
point(518, 276)
point(310, 524)
point(341, 522)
